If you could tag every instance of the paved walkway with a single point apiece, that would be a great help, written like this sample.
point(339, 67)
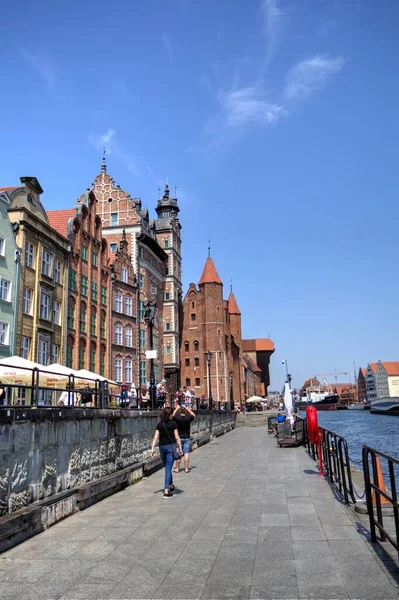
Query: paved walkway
point(250, 521)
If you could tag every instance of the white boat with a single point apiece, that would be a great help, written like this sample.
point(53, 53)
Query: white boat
point(358, 406)
point(385, 406)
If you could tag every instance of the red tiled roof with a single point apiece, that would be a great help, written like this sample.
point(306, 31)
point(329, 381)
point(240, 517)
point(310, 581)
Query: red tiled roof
point(8, 189)
point(209, 274)
point(363, 371)
point(258, 345)
point(253, 366)
point(59, 219)
point(374, 367)
point(392, 368)
point(233, 306)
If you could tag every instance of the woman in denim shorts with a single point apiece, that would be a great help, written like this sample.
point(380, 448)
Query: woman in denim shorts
point(183, 416)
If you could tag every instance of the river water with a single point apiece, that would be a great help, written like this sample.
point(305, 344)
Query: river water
point(360, 427)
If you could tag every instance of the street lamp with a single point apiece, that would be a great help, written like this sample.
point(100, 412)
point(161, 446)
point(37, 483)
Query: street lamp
point(231, 374)
point(149, 317)
point(208, 356)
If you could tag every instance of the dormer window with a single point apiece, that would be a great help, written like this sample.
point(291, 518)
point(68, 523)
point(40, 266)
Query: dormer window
point(31, 199)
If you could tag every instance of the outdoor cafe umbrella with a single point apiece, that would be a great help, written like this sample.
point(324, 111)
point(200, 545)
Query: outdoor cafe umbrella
point(19, 371)
point(84, 377)
point(254, 399)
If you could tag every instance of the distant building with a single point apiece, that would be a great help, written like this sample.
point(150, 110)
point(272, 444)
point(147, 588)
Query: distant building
point(211, 324)
point(10, 264)
point(347, 392)
point(252, 378)
point(387, 379)
point(371, 388)
point(361, 385)
point(259, 351)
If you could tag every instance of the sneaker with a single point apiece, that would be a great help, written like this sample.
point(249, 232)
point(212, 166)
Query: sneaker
point(167, 495)
point(171, 488)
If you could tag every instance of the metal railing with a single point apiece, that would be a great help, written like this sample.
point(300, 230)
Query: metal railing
point(376, 493)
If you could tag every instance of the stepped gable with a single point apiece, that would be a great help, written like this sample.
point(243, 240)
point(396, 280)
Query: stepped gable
point(210, 274)
point(233, 306)
point(59, 219)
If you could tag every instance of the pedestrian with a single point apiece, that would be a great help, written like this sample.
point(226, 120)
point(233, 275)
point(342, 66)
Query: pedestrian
point(144, 400)
point(86, 396)
point(2, 394)
point(183, 416)
point(68, 397)
point(124, 397)
point(133, 397)
point(167, 433)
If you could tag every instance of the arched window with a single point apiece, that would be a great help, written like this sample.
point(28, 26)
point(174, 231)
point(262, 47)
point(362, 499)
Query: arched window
point(119, 336)
point(196, 346)
point(186, 346)
point(82, 319)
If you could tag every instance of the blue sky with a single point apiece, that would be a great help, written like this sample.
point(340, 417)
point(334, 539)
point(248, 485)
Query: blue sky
point(276, 120)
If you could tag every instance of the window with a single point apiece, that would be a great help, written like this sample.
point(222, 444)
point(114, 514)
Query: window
point(45, 303)
point(154, 290)
point(143, 371)
point(142, 309)
point(192, 304)
point(129, 337)
point(114, 219)
point(165, 214)
point(81, 358)
point(82, 319)
point(166, 271)
point(128, 306)
point(118, 303)
point(57, 271)
point(119, 335)
point(94, 290)
point(84, 285)
point(71, 316)
point(187, 362)
point(4, 333)
point(197, 382)
point(141, 280)
point(188, 382)
point(5, 290)
point(193, 317)
point(124, 275)
point(168, 349)
point(31, 199)
point(113, 248)
point(196, 346)
point(44, 351)
point(25, 347)
point(142, 338)
point(141, 252)
point(196, 361)
point(186, 346)
point(166, 243)
point(84, 253)
point(2, 247)
point(69, 355)
point(55, 353)
point(47, 261)
point(57, 314)
point(29, 255)
point(102, 363)
point(102, 328)
point(167, 295)
point(92, 324)
point(72, 280)
point(118, 369)
point(128, 370)
point(92, 361)
point(94, 258)
point(167, 326)
point(103, 295)
point(27, 301)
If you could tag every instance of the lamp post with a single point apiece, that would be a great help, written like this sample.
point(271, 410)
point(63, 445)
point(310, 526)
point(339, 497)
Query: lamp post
point(231, 374)
point(149, 317)
point(208, 356)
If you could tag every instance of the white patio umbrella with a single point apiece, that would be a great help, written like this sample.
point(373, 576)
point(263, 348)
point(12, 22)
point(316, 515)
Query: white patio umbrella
point(83, 376)
point(254, 399)
point(289, 407)
point(55, 375)
point(17, 370)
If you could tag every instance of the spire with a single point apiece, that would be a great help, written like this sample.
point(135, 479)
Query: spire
point(103, 164)
point(209, 247)
point(166, 192)
point(210, 274)
point(233, 306)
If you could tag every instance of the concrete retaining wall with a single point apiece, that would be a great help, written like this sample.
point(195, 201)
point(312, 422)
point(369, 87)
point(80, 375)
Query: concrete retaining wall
point(56, 461)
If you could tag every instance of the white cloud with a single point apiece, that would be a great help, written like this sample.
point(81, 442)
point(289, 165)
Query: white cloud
point(108, 141)
point(168, 45)
point(273, 19)
point(42, 64)
point(249, 105)
point(311, 75)
point(326, 28)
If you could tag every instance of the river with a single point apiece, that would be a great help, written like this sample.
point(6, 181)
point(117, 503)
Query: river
point(360, 427)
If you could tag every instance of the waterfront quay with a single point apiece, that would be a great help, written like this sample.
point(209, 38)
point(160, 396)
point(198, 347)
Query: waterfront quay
point(250, 520)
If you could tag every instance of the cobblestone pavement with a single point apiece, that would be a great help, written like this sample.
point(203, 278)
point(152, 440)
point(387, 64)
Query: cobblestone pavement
point(249, 521)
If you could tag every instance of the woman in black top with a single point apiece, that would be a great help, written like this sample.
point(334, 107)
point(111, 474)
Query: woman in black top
point(183, 417)
point(166, 431)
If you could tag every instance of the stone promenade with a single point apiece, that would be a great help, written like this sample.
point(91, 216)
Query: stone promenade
point(249, 521)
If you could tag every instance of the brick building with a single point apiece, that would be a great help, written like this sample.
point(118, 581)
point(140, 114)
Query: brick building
point(252, 378)
point(260, 351)
point(88, 290)
point(210, 323)
point(123, 332)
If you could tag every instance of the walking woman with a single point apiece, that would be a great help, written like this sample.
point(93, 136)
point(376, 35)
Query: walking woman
point(183, 417)
point(166, 431)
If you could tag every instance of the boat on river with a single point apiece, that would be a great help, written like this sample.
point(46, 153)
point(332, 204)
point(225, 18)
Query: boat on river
point(325, 402)
point(358, 406)
point(385, 406)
